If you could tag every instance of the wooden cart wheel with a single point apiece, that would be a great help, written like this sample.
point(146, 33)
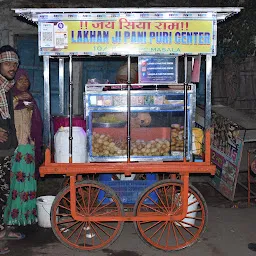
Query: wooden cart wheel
point(93, 199)
point(161, 199)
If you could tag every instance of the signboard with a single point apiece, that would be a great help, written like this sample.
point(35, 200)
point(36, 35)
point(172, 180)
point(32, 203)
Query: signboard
point(227, 169)
point(154, 69)
point(226, 152)
point(127, 33)
point(227, 147)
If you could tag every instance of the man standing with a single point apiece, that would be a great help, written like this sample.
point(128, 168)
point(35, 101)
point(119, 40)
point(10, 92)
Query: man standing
point(9, 62)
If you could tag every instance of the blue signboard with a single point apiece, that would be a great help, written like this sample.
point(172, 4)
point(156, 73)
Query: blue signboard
point(161, 70)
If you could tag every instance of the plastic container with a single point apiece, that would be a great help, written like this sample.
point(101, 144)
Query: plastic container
point(63, 121)
point(191, 208)
point(44, 205)
point(128, 190)
point(61, 145)
point(197, 141)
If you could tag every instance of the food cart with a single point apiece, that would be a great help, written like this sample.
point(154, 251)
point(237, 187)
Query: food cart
point(169, 214)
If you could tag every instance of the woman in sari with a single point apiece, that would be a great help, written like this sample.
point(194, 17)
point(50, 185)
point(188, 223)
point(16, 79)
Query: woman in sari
point(21, 205)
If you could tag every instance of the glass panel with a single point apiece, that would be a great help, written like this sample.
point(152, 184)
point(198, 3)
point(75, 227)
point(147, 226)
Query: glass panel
point(157, 120)
point(157, 133)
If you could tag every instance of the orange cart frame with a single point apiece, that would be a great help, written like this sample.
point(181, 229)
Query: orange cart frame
point(75, 169)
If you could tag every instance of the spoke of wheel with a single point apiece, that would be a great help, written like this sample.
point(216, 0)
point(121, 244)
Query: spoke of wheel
point(156, 231)
point(100, 208)
point(93, 240)
point(186, 229)
point(65, 222)
point(176, 203)
point(192, 202)
point(175, 233)
point(84, 231)
point(72, 225)
point(168, 234)
point(166, 210)
point(147, 197)
point(173, 198)
point(166, 197)
point(105, 232)
point(62, 230)
point(151, 226)
point(75, 230)
point(82, 196)
point(89, 199)
point(194, 218)
point(97, 206)
point(64, 198)
point(81, 192)
point(96, 232)
point(197, 210)
point(180, 233)
point(190, 225)
point(151, 208)
point(179, 206)
point(63, 207)
point(161, 234)
point(103, 224)
point(95, 198)
point(106, 213)
point(63, 214)
point(80, 232)
point(81, 207)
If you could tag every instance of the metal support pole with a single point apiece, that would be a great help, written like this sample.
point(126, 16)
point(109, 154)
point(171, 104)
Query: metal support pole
point(61, 86)
point(208, 85)
point(70, 108)
point(129, 109)
point(47, 116)
point(185, 104)
point(249, 178)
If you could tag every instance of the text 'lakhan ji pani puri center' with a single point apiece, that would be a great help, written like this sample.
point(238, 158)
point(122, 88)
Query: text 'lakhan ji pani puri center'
point(195, 38)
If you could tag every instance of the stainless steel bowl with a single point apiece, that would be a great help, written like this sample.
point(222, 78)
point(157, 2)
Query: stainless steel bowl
point(109, 125)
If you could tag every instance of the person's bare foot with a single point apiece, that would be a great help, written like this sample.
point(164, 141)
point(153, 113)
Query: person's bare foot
point(7, 234)
point(4, 250)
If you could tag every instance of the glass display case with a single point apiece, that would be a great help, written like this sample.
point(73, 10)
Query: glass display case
point(156, 124)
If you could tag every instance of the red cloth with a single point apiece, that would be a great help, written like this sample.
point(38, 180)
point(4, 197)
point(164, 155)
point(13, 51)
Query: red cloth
point(195, 77)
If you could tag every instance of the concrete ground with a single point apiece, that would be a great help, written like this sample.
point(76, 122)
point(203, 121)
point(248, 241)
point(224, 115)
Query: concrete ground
point(228, 232)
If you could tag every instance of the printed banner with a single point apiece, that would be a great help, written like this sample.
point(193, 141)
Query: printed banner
point(226, 149)
point(226, 152)
point(225, 179)
point(124, 35)
point(154, 69)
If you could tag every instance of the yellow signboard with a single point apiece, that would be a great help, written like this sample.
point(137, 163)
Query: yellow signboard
point(124, 36)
